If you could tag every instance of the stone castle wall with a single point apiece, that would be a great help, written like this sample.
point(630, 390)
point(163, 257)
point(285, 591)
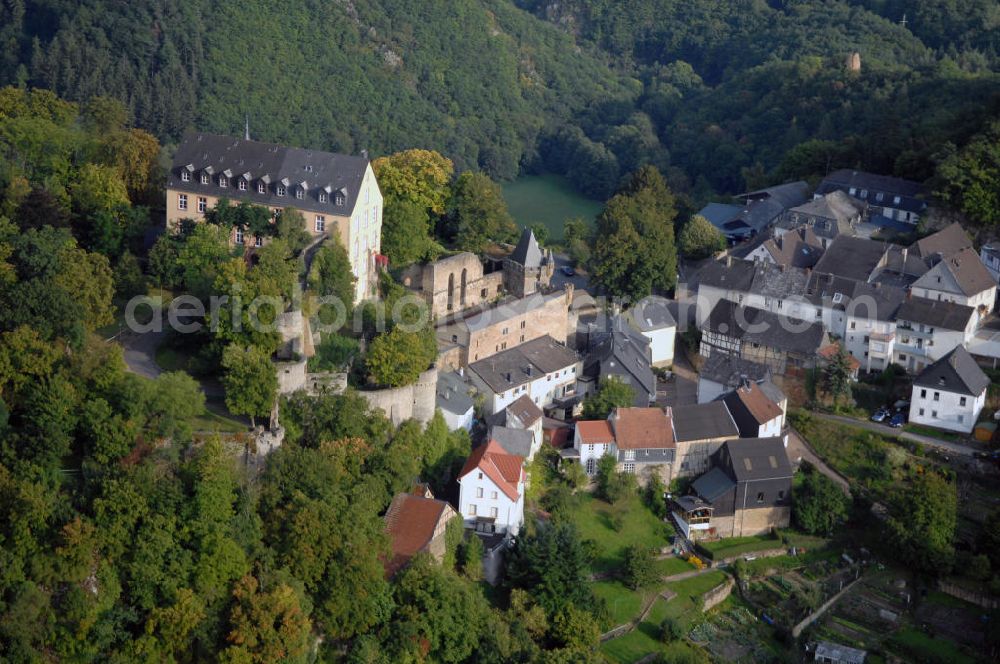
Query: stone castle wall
point(416, 401)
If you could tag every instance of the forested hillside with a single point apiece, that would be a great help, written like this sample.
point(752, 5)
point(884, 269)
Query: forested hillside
point(473, 79)
point(719, 96)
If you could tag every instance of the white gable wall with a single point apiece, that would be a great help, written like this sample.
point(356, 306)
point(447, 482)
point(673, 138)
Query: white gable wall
point(945, 410)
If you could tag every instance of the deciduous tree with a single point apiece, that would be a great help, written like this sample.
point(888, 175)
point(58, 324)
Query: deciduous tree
point(250, 381)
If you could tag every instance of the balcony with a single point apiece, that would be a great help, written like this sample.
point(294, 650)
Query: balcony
point(887, 337)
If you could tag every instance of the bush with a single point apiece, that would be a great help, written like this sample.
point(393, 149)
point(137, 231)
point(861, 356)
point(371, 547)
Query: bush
point(671, 630)
point(640, 567)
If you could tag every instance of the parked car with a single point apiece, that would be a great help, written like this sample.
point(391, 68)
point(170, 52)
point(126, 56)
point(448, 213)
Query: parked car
point(567, 270)
point(881, 415)
point(898, 420)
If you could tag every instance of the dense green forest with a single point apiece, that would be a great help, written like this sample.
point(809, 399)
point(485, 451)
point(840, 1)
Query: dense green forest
point(719, 96)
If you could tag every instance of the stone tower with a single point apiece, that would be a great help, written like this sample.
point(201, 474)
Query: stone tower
point(528, 268)
point(854, 62)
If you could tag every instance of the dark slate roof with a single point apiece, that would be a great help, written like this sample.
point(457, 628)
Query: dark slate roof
point(527, 252)
point(758, 458)
point(868, 186)
point(625, 350)
point(956, 372)
point(720, 213)
point(453, 393)
point(778, 281)
point(513, 441)
point(524, 410)
point(765, 328)
point(735, 274)
point(651, 313)
point(947, 241)
point(936, 313)
point(729, 370)
point(272, 164)
point(876, 301)
point(524, 363)
point(703, 422)
point(852, 257)
point(713, 485)
point(788, 195)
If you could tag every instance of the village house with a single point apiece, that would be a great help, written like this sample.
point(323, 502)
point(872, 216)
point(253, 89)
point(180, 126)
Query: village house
point(491, 490)
point(950, 393)
point(782, 344)
point(826, 217)
point(889, 197)
point(989, 254)
point(416, 522)
point(523, 414)
point(640, 439)
point(755, 414)
point(961, 278)
point(747, 492)
point(699, 433)
point(651, 317)
point(624, 354)
point(761, 209)
point(721, 373)
point(944, 243)
point(796, 248)
point(927, 330)
point(542, 369)
point(337, 195)
point(455, 401)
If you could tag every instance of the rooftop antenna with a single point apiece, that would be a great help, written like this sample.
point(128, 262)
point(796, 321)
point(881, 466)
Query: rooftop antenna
point(246, 128)
point(903, 20)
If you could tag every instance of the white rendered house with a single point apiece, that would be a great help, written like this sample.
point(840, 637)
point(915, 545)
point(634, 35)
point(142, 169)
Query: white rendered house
point(652, 318)
point(950, 393)
point(542, 369)
point(491, 498)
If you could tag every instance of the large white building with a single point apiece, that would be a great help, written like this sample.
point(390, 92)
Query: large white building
point(927, 330)
point(950, 393)
point(491, 496)
point(542, 369)
point(336, 194)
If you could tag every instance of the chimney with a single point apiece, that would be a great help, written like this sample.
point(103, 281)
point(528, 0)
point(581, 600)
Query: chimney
point(364, 154)
point(729, 260)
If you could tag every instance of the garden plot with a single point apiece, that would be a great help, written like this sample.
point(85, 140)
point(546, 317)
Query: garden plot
point(734, 634)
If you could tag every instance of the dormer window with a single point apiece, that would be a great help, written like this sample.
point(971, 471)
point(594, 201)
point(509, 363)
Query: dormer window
point(879, 197)
point(897, 200)
point(243, 185)
point(322, 197)
point(309, 168)
point(300, 193)
point(338, 199)
point(281, 190)
point(864, 193)
point(185, 176)
point(261, 189)
point(223, 181)
point(204, 178)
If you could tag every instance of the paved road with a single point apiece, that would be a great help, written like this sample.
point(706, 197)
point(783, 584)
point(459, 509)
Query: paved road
point(558, 278)
point(140, 352)
point(946, 445)
point(798, 450)
point(682, 389)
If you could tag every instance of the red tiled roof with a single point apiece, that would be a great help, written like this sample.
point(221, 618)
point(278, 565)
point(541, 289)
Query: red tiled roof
point(595, 431)
point(761, 408)
point(828, 352)
point(643, 428)
point(410, 522)
point(502, 468)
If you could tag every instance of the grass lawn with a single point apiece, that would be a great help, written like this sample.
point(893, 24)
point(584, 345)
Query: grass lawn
point(671, 566)
point(624, 604)
point(645, 639)
point(549, 200)
point(217, 419)
point(596, 521)
point(734, 546)
point(925, 648)
point(931, 432)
